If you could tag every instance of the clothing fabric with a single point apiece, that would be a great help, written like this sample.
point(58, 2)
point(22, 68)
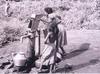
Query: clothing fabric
point(62, 35)
point(48, 54)
point(51, 19)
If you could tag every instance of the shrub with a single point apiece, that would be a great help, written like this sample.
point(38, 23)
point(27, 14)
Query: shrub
point(9, 34)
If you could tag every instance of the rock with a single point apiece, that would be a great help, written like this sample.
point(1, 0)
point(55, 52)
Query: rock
point(10, 66)
point(1, 66)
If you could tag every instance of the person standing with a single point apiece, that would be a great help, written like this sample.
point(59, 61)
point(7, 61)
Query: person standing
point(62, 36)
point(50, 53)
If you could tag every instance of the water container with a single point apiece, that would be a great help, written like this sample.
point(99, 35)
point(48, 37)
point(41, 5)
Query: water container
point(19, 59)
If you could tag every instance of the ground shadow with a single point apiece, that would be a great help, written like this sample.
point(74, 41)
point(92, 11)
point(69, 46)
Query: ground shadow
point(76, 67)
point(84, 47)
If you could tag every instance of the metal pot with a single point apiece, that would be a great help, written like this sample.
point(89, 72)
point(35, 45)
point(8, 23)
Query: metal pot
point(19, 59)
point(38, 63)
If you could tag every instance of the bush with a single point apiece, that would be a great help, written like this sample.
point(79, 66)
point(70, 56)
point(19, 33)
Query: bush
point(9, 34)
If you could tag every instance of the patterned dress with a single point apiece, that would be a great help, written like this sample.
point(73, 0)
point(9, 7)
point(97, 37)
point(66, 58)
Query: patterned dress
point(50, 53)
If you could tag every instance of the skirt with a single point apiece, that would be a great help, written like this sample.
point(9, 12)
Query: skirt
point(48, 54)
point(62, 35)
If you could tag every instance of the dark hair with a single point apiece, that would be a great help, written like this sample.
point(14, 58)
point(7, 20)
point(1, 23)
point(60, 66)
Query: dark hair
point(48, 10)
point(52, 27)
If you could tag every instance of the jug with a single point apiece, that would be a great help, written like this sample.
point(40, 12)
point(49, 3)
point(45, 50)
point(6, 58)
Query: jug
point(19, 59)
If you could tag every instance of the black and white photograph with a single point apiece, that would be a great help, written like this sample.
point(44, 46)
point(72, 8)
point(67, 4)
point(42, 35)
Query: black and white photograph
point(49, 36)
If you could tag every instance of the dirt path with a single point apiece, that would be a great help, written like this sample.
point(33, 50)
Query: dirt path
point(84, 48)
point(83, 51)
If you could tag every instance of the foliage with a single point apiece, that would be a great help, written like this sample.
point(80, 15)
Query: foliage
point(9, 34)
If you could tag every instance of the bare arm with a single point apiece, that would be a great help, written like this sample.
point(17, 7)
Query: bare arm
point(45, 41)
point(47, 37)
point(45, 22)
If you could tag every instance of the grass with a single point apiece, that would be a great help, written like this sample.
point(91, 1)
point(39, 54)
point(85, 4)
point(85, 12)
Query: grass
point(76, 14)
point(9, 34)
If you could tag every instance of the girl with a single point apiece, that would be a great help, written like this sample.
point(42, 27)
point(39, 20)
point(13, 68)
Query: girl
point(50, 54)
point(62, 35)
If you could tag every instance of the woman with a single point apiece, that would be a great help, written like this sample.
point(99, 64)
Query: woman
point(62, 38)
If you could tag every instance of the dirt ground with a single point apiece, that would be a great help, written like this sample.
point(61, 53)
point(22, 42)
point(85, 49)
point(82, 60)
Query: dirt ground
point(83, 44)
point(82, 52)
